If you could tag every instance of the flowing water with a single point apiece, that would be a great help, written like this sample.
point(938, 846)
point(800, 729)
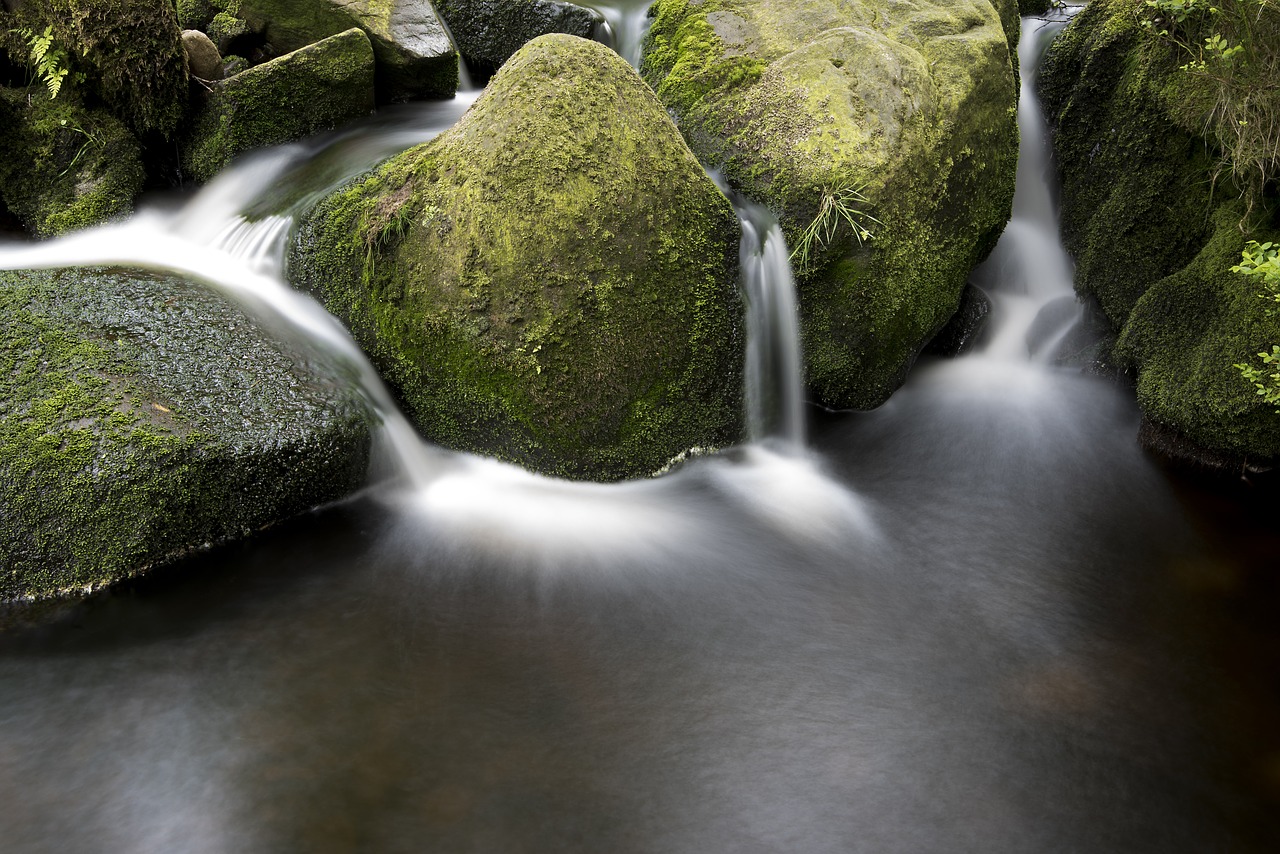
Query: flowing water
point(976, 619)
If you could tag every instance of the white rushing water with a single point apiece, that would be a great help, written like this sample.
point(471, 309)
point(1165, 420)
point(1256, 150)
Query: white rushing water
point(626, 24)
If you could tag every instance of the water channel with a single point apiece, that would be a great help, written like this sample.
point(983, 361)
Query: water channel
point(978, 618)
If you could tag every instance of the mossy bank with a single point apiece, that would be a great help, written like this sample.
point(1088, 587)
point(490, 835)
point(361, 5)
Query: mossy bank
point(143, 416)
point(1155, 236)
point(552, 281)
point(902, 115)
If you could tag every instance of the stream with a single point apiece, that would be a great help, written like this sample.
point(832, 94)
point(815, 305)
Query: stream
point(978, 618)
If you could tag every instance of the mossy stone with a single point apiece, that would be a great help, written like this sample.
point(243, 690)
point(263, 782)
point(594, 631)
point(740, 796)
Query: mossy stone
point(143, 416)
point(65, 167)
point(319, 87)
point(1155, 237)
point(914, 105)
point(552, 281)
point(415, 58)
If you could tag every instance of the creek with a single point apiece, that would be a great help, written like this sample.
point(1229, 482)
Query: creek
point(978, 618)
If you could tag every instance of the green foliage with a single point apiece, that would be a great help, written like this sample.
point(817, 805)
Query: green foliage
point(49, 62)
point(1262, 261)
point(837, 206)
point(1232, 49)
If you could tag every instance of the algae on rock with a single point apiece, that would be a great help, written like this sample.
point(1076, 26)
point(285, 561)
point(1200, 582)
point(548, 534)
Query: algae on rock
point(315, 88)
point(913, 105)
point(143, 416)
point(415, 58)
point(488, 32)
point(1155, 238)
point(553, 281)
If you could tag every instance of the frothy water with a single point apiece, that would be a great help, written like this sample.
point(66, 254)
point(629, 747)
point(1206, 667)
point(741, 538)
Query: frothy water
point(626, 24)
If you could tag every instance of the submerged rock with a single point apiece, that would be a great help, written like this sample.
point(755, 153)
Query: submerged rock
point(315, 88)
point(64, 167)
point(415, 57)
point(143, 416)
point(488, 32)
point(1154, 241)
point(552, 281)
point(829, 111)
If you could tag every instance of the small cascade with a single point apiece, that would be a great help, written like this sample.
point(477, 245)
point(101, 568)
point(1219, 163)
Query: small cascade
point(774, 388)
point(625, 25)
point(1029, 274)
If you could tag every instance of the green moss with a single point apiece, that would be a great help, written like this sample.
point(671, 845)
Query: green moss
point(488, 33)
point(129, 51)
point(225, 28)
point(196, 14)
point(914, 104)
point(132, 433)
point(66, 167)
point(316, 88)
point(1184, 335)
point(552, 281)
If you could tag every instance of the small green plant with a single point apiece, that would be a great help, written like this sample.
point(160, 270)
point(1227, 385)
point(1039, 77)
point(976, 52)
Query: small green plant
point(1262, 261)
point(49, 63)
point(839, 206)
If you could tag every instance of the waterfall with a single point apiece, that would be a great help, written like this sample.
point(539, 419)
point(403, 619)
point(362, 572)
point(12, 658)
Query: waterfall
point(624, 28)
point(1029, 274)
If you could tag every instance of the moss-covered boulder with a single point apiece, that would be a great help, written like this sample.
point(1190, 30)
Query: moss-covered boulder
point(1155, 237)
point(143, 416)
point(125, 56)
point(415, 57)
point(315, 88)
point(552, 281)
point(905, 112)
point(64, 167)
point(488, 32)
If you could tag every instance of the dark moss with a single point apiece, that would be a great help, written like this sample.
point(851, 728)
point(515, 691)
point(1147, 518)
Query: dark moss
point(142, 417)
point(552, 281)
point(488, 32)
point(66, 167)
point(128, 51)
point(316, 88)
point(196, 14)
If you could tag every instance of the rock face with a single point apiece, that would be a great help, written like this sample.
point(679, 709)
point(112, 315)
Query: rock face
point(1153, 241)
point(143, 416)
point(64, 167)
point(315, 88)
point(488, 32)
point(552, 281)
point(902, 112)
point(415, 57)
point(203, 58)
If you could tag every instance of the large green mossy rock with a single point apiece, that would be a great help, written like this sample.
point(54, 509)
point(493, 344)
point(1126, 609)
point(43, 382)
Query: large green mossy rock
point(143, 416)
point(1154, 239)
point(488, 32)
point(128, 52)
point(913, 105)
point(415, 57)
point(553, 281)
point(318, 87)
point(64, 167)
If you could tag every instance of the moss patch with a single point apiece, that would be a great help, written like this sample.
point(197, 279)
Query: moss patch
point(913, 103)
point(315, 88)
point(142, 416)
point(65, 167)
point(552, 281)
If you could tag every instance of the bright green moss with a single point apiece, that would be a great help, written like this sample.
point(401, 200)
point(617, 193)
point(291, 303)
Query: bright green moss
point(552, 281)
point(141, 417)
point(914, 104)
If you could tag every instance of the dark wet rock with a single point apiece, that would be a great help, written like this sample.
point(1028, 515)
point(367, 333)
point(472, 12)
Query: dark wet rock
point(143, 416)
point(414, 55)
point(552, 281)
point(965, 326)
point(319, 87)
point(488, 32)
